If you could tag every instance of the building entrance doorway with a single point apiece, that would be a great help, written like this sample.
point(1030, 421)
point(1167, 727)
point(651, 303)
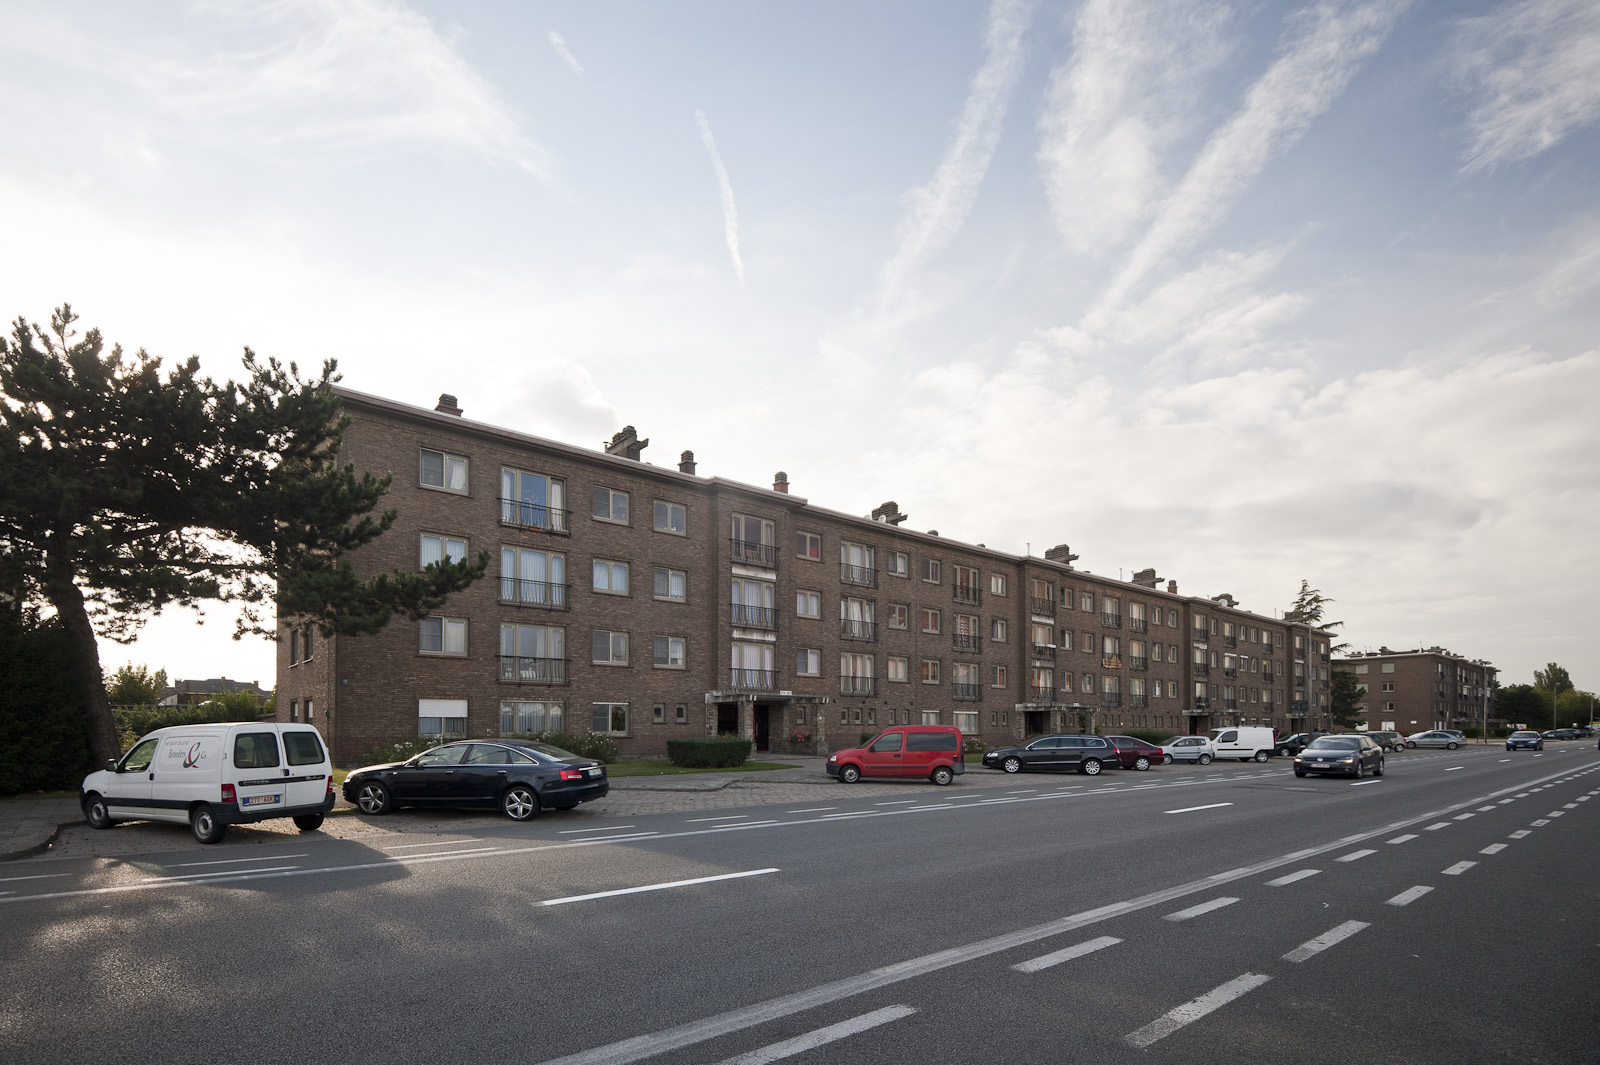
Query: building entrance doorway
point(1035, 722)
point(763, 727)
point(727, 719)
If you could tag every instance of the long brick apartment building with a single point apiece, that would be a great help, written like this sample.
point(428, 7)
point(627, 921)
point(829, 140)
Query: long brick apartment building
point(652, 603)
point(1427, 688)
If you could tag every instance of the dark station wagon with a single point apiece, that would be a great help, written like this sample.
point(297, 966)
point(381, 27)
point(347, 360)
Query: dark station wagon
point(521, 777)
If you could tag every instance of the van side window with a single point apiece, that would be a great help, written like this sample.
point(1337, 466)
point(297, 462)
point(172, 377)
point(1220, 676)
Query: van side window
point(930, 741)
point(255, 750)
point(1228, 737)
point(138, 759)
point(303, 748)
point(891, 742)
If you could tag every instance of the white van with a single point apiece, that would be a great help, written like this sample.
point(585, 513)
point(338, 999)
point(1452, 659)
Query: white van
point(215, 775)
point(1244, 742)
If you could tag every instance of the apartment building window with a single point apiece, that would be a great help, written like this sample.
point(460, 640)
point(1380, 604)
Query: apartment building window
point(1086, 602)
point(966, 721)
point(668, 652)
point(931, 570)
point(1111, 611)
point(1110, 691)
point(610, 648)
point(1064, 640)
point(752, 540)
point(1111, 652)
point(671, 518)
point(1136, 618)
point(997, 630)
point(1137, 658)
point(1386, 667)
point(899, 669)
point(672, 584)
point(754, 603)
point(1387, 686)
point(930, 717)
point(930, 671)
point(1172, 652)
point(808, 662)
point(307, 636)
point(858, 619)
point(1388, 706)
point(294, 710)
point(610, 719)
point(899, 616)
point(444, 471)
point(808, 546)
point(681, 714)
point(1087, 643)
point(294, 647)
point(997, 677)
point(533, 654)
point(856, 675)
point(997, 584)
point(610, 577)
point(436, 549)
point(858, 564)
point(437, 718)
point(964, 584)
point(1039, 638)
point(752, 665)
point(899, 564)
point(1201, 628)
point(443, 636)
point(519, 718)
point(1086, 683)
point(533, 578)
point(968, 634)
point(1172, 619)
point(808, 604)
point(610, 505)
point(532, 501)
point(658, 715)
point(965, 681)
point(931, 621)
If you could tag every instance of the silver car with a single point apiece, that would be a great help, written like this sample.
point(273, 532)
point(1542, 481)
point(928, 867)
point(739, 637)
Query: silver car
point(1437, 738)
point(1187, 749)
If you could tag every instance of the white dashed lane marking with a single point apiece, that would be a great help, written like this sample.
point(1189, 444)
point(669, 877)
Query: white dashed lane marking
point(1194, 1009)
point(1405, 838)
point(1283, 881)
point(1354, 856)
point(1337, 934)
point(1202, 908)
point(1459, 868)
point(1494, 848)
point(1077, 950)
point(821, 1037)
point(1409, 895)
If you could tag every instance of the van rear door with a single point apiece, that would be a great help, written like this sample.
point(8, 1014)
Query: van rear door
point(258, 770)
point(305, 766)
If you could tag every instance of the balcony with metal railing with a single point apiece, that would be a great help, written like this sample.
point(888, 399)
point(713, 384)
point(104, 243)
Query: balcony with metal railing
point(759, 680)
point(970, 594)
point(967, 643)
point(1267, 676)
point(1230, 704)
point(533, 593)
point(755, 617)
point(1201, 669)
point(1043, 650)
point(535, 516)
point(1110, 698)
point(756, 554)
point(1230, 641)
point(1138, 700)
point(865, 576)
point(1138, 665)
point(1138, 625)
point(1041, 693)
point(1201, 702)
point(1045, 608)
point(1227, 672)
point(1268, 647)
point(849, 685)
point(515, 669)
point(852, 629)
point(1111, 621)
point(1300, 653)
point(1299, 706)
point(966, 693)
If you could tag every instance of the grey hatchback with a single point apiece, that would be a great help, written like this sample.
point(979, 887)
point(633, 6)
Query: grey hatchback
point(1352, 755)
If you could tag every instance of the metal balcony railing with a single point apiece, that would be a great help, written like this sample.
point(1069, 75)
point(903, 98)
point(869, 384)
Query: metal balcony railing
point(1043, 650)
point(967, 593)
point(858, 685)
point(754, 553)
point(1041, 693)
point(1300, 653)
point(969, 644)
point(1110, 698)
point(1230, 641)
point(1201, 702)
point(1138, 665)
point(533, 593)
point(1042, 607)
point(862, 575)
point(1231, 704)
point(1201, 669)
point(1137, 700)
point(534, 516)
point(1138, 625)
point(1111, 621)
point(1268, 647)
point(851, 629)
point(1299, 706)
point(966, 693)
point(515, 669)
point(755, 617)
point(753, 679)
point(1226, 672)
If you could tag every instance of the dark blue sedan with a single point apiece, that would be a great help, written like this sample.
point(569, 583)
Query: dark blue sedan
point(1531, 741)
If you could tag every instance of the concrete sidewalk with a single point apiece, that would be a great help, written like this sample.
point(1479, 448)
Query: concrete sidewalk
point(28, 823)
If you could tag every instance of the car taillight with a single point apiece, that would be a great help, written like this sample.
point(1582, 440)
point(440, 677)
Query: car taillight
point(330, 783)
point(572, 774)
point(228, 794)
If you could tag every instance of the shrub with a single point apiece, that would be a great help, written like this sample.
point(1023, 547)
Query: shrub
point(135, 721)
point(973, 745)
point(1150, 735)
point(582, 744)
point(44, 732)
point(720, 752)
point(866, 738)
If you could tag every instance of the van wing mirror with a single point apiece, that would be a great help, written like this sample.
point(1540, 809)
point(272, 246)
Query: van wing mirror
point(111, 766)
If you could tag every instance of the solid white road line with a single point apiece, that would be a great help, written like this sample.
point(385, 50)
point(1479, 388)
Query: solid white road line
point(436, 843)
point(1459, 868)
point(822, 1036)
point(1405, 838)
point(1519, 834)
point(1292, 877)
point(1409, 895)
point(214, 872)
point(235, 861)
point(435, 854)
point(1208, 806)
point(1044, 961)
point(40, 876)
point(813, 810)
point(729, 817)
point(1204, 907)
point(1494, 848)
point(1313, 947)
point(1354, 856)
point(1194, 1009)
point(576, 831)
point(655, 887)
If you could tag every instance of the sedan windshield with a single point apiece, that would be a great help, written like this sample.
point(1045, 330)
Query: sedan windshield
point(1335, 743)
point(1524, 735)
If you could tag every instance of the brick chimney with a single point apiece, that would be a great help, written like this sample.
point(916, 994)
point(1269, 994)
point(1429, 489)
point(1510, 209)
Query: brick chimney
point(686, 462)
point(1146, 578)
point(447, 405)
point(889, 513)
point(1061, 553)
point(1225, 599)
point(780, 482)
point(627, 444)
point(1172, 587)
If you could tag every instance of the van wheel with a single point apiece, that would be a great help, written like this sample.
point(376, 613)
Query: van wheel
point(942, 775)
point(205, 826)
point(96, 813)
point(308, 822)
point(373, 798)
point(1090, 768)
point(1166, 759)
point(1204, 759)
point(849, 774)
point(1261, 756)
point(520, 803)
point(1141, 763)
point(1012, 764)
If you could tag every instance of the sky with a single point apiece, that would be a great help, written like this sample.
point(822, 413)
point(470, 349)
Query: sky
point(1252, 293)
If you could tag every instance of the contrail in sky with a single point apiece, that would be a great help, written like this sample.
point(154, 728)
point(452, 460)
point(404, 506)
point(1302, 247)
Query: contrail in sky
point(730, 213)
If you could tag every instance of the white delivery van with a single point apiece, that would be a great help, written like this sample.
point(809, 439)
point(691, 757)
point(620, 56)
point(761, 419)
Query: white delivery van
point(1243, 742)
point(215, 775)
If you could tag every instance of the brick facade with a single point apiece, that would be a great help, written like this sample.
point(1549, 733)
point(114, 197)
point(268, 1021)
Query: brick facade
point(1414, 691)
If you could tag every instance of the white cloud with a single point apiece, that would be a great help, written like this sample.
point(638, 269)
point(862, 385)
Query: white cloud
point(1129, 91)
point(1533, 68)
point(730, 213)
point(559, 43)
point(1330, 42)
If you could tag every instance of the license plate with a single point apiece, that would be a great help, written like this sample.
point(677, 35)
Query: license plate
point(593, 771)
point(261, 800)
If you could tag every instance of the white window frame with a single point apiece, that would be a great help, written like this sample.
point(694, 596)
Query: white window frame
point(673, 643)
point(932, 570)
point(447, 548)
point(449, 465)
point(808, 545)
point(808, 662)
point(440, 710)
point(899, 563)
point(678, 510)
point(966, 721)
point(997, 584)
point(551, 717)
point(670, 573)
point(898, 664)
point(936, 671)
point(615, 713)
point(804, 598)
point(612, 568)
point(997, 677)
point(936, 615)
point(617, 646)
point(451, 631)
point(998, 630)
point(901, 611)
point(612, 495)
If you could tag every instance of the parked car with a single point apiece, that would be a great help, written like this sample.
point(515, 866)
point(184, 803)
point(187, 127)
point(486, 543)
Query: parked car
point(1086, 754)
point(1187, 749)
point(1568, 734)
point(214, 775)
point(932, 751)
point(1519, 741)
point(1436, 738)
point(1135, 753)
point(1244, 742)
point(1352, 755)
point(1389, 741)
point(1293, 745)
point(521, 777)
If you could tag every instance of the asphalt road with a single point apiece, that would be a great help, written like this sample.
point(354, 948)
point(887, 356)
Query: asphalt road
point(1444, 913)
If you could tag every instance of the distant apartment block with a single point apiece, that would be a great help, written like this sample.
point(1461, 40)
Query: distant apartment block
point(1428, 688)
point(651, 603)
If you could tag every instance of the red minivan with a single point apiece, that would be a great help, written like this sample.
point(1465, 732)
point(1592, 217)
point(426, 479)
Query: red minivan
point(932, 751)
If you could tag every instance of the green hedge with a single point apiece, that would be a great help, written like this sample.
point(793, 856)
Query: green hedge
point(721, 752)
point(582, 744)
point(44, 732)
point(1149, 735)
point(135, 721)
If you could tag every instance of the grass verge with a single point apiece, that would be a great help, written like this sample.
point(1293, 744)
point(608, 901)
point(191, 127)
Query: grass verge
point(660, 767)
